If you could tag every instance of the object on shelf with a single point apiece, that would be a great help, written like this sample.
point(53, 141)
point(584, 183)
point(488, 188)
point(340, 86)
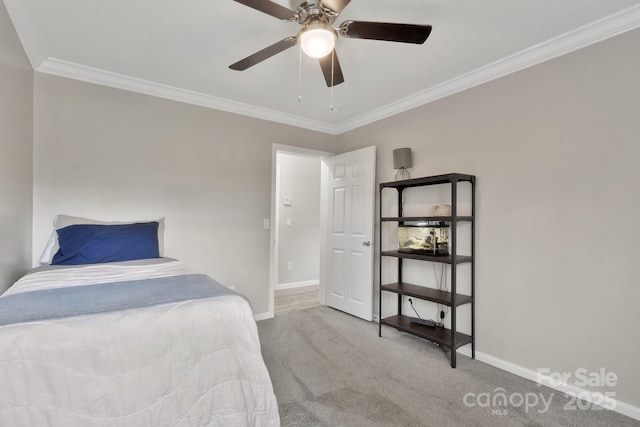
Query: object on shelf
point(442, 210)
point(424, 239)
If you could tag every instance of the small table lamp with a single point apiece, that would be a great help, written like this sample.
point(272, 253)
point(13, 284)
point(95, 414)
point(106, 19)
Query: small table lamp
point(402, 159)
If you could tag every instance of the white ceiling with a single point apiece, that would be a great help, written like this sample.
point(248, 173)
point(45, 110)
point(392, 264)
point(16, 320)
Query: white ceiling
point(182, 49)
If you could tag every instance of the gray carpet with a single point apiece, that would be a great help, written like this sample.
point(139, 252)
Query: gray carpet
point(331, 369)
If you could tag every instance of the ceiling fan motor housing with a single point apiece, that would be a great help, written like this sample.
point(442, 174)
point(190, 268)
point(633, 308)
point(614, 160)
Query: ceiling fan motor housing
point(311, 12)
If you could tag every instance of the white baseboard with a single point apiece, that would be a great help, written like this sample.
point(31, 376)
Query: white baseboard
point(263, 316)
point(292, 285)
point(588, 395)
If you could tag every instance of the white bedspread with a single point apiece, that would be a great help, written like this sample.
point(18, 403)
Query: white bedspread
point(190, 363)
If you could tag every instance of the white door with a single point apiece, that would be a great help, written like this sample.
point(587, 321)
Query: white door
point(350, 198)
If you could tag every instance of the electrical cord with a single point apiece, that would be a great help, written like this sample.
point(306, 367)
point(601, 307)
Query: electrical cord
point(441, 283)
point(414, 309)
point(418, 314)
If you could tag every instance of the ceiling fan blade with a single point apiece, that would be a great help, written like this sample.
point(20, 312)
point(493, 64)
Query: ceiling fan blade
point(263, 54)
point(335, 5)
point(328, 64)
point(404, 33)
point(270, 8)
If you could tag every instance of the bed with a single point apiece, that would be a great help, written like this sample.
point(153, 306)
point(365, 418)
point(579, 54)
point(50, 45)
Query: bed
point(136, 342)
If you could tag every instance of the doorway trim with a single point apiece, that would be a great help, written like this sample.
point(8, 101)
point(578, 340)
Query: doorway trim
point(273, 255)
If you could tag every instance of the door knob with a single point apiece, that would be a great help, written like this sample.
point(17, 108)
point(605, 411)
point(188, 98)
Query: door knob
point(367, 243)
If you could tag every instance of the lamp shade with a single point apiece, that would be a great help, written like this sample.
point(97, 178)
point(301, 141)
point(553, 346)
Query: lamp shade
point(402, 158)
point(317, 41)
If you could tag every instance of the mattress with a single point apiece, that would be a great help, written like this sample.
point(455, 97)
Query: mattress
point(192, 361)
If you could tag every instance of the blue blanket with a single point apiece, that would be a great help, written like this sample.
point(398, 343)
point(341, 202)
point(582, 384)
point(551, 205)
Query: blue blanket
point(91, 299)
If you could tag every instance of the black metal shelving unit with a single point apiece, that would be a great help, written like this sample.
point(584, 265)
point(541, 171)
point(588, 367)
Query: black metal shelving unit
point(448, 338)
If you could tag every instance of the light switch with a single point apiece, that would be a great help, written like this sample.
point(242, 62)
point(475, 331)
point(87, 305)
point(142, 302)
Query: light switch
point(288, 222)
point(265, 223)
point(287, 201)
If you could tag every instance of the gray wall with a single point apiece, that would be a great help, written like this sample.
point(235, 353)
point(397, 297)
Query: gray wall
point(299, 242)
point(110, 154)
point(16, 148)
point(555, 148)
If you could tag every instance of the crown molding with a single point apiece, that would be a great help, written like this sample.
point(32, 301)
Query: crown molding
point(75, 71)
point(579, 38)
point(610, 26)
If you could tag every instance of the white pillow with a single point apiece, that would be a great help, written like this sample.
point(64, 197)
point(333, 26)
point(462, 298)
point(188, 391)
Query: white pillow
point(48, 253)
point(62, 221)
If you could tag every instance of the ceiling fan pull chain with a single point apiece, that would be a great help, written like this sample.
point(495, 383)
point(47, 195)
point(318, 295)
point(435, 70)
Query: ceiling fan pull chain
point(332, 57)
point(299, 73)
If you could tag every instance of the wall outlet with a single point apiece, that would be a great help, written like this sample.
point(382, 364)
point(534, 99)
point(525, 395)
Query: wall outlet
point(265, 223)
point(289, 265)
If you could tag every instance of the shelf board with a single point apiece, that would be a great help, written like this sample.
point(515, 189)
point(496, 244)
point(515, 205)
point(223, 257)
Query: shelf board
point(430, 180)
point(443, 259)
point(436, 334)
point(426, 218)
point(425, 293)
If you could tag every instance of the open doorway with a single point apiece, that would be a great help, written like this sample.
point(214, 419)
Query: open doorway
point(296, 229)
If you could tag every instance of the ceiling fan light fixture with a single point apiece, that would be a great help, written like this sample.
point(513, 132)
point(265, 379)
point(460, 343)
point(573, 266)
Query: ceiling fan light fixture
point(317, 40)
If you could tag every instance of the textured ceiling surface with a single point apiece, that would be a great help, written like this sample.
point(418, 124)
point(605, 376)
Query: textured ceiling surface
point(188, 46)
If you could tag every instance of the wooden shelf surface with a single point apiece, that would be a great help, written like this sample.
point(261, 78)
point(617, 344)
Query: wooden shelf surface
point(426, 293)
point(445, 259)
point(430, 180)
point(426, 218)
point(436, 334)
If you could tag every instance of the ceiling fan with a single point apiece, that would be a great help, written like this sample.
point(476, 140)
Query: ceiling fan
point(317, 37)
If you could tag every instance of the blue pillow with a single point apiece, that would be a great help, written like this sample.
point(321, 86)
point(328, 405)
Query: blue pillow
point(93, 243)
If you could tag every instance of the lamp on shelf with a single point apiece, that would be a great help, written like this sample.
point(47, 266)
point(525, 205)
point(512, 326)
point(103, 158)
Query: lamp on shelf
point(402, 160)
